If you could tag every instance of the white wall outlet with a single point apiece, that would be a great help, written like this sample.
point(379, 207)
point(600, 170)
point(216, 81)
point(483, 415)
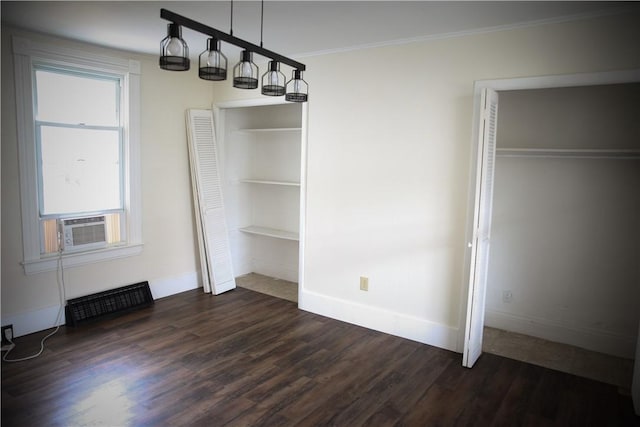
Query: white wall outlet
point(7, 338)
point(507, 297)
point(7, 334)
point(364, 283)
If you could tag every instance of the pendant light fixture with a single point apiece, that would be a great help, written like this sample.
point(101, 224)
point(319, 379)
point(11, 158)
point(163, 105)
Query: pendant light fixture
point(174, 55)
point(297, 89)
point(245, 73)
point(174, 52)
point(273, 81)
point(213, 63)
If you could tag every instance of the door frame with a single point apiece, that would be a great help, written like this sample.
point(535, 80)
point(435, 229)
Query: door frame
point(499, 85)
point(219, 110)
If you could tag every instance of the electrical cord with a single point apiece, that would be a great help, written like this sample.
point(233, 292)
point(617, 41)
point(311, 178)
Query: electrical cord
point(62, 295)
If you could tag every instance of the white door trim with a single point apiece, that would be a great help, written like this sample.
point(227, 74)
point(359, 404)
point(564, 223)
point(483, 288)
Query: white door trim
point(539, 82)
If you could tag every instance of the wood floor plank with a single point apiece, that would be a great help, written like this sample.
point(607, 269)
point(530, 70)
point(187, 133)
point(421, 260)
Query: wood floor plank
point(490, 392)
point(370, 396)
point(515, 404)
point(248, 359)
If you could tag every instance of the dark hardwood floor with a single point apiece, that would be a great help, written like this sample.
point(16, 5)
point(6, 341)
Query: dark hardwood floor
point(248, 359)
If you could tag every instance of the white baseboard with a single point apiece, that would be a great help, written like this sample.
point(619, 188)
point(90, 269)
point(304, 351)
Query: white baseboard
point(166, 286)
point(389, 322)
point(45, 318)
point(33, 321)
point(590, 339)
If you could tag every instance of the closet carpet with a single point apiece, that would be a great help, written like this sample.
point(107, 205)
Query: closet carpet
point(268, 285)
point(561, 357)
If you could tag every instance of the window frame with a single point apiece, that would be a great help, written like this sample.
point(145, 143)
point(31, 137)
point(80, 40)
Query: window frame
point(29, 54)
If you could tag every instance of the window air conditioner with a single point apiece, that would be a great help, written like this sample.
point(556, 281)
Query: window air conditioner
point(81, 234)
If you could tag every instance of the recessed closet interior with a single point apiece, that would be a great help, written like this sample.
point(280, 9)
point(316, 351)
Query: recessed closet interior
point(565, 259)
point(262, 149)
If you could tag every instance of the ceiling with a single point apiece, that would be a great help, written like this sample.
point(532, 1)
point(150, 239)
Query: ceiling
point(291, 28)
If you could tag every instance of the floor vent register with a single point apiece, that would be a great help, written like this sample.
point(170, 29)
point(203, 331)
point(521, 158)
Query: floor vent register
point(108, 303)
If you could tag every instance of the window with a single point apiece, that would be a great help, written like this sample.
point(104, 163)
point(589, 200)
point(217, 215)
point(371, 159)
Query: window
point(79, 149)
point(78, 145)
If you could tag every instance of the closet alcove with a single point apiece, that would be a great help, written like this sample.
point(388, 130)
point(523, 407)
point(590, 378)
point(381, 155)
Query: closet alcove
point(262, 149)
point(565, 225)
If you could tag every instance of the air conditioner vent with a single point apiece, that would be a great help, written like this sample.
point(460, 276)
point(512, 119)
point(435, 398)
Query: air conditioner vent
point(84, 233)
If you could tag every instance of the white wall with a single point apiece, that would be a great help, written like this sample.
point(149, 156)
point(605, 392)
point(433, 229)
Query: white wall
point(169, 258)
point(565, 230)
point(388, 161)
point(582, 117)
point(564, 243)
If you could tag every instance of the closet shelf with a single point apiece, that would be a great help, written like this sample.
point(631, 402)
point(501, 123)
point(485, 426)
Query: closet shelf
point(271, 232)
point(570, 153)
point(261, 130)
point(271, 182)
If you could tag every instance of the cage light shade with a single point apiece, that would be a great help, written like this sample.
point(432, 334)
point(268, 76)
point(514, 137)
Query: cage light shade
point(245, 73)
point(174, 52)
point(273, 81)
point(213, 64)
point(297, 89)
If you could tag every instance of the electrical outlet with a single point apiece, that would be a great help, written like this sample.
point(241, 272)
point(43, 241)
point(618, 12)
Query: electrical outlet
point(7, 334)
point(7, 337)
point(364, 283)
point(507, 297)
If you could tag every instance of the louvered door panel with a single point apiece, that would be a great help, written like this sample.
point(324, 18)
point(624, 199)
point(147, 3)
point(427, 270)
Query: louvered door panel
point(482, 225)
point(213, 234)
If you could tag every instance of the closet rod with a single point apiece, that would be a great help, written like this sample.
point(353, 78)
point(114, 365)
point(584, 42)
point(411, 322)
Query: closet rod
point(574, 153)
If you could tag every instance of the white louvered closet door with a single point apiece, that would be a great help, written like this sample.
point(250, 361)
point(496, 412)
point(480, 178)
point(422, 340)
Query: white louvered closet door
point(482, 228)
point(213, 236)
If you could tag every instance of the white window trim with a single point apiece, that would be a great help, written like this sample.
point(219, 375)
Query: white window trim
point(26, 52)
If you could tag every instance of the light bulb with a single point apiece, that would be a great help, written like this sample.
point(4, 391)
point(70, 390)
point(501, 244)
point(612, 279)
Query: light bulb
point(297, 89)
point(174, 48)
point(245, 69)
point(213, 60)
point(174, 52)
point(213, 63)
point(245, 73)
point(273, 78)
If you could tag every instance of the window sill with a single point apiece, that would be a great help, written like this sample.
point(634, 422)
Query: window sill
point(50, 263)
